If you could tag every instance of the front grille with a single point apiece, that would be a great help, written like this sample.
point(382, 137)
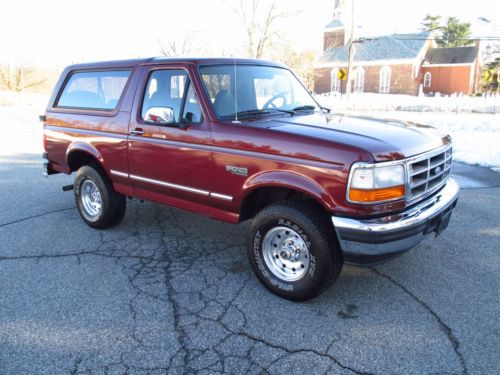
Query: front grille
point(428, 172)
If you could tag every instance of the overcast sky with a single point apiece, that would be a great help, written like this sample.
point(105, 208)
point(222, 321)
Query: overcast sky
point(58, 32)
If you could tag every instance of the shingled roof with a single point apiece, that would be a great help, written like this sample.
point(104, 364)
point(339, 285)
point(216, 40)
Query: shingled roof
point(458, 55)
point(334, 24)
point(386, 47)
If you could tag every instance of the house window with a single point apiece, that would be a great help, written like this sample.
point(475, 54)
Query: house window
point(334, 80)
point(385, 80)
point(359, 79)
point(427, 79)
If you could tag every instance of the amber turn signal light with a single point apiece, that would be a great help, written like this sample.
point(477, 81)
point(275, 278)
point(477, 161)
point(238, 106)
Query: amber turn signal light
point(376, 195)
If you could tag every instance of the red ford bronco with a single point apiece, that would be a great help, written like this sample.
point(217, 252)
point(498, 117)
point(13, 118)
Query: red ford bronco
point(238, 139)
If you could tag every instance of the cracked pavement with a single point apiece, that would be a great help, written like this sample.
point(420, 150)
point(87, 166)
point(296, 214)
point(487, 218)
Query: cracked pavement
point(171, 292)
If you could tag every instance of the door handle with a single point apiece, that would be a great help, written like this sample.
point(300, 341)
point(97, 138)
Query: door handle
point(136, 131)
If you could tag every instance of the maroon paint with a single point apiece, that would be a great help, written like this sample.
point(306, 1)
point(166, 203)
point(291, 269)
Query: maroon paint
point(309, 153)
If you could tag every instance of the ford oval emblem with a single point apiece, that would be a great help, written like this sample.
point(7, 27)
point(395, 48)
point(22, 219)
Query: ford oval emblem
point(437, 171)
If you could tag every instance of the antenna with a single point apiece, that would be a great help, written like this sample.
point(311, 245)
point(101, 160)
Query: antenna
point(236, 121)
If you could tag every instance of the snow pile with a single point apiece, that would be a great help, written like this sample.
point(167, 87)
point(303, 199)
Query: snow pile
point(393, 102)
point(476, 137)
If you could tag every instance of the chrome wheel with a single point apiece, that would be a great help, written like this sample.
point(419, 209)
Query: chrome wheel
point(91, 199)
point(285, 253)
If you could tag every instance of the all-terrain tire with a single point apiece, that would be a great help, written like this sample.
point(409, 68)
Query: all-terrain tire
point(99, 205)
point(293, 250)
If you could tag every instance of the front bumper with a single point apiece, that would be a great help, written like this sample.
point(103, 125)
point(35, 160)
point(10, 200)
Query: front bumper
point(368, 241)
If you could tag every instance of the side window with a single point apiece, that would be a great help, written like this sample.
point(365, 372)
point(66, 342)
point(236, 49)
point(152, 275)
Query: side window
point(163, 99)
point(165, 89)
point(99, 90)
point(192, 109)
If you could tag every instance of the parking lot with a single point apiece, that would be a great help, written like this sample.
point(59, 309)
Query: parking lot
point(169, 291)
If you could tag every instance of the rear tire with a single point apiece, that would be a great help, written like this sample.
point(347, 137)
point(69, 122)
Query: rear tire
point(99, 205)
point(293, 251)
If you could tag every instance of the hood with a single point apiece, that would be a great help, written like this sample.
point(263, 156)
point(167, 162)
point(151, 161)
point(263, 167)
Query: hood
point(384, 139)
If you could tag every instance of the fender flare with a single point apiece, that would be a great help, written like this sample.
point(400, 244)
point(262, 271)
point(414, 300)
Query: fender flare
point(86, 148)
point(290, 180)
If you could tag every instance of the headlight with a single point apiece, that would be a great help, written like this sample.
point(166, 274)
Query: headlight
point(372, 183)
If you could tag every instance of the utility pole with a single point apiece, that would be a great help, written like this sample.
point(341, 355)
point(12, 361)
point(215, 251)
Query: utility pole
point(351, 55)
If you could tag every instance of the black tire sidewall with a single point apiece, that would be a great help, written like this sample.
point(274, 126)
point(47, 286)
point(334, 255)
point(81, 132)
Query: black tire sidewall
point(89, 173)
point(320, 257)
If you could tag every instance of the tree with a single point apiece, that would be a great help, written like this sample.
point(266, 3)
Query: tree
point(455, 34)
point(300, 62)
point(260, 24)
point(431, 23)
point(19, 78)
point(182, 44)
point(452, 34)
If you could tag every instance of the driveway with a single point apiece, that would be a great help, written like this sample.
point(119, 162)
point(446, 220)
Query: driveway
point(171, 292)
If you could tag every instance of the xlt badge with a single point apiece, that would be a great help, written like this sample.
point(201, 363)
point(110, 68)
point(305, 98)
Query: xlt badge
point(240, 171)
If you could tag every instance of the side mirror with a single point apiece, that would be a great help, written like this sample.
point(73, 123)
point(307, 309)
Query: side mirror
point(160, 115)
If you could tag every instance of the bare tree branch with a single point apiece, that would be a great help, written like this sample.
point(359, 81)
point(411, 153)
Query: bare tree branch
point(19, 77)
point(261, 26)
point(182, 44)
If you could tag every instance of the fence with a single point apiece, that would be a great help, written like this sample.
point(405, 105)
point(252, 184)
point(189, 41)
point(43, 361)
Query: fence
point(392, 102)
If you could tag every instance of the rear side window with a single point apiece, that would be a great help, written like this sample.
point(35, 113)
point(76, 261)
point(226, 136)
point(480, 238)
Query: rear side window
point(99, 90)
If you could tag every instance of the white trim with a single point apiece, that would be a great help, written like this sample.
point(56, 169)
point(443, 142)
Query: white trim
point(118, 173)
point(170, 185)
point(384, 80)
point(342, 64)
point(221, 196)
point(335, 82)
point(427, 74)
point(173, 186)
point(439, 65)
point(336, 28)
point(359, 79)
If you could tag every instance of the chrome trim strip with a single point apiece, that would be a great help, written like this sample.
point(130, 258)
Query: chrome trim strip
point(221, 196)
point(173, 186)
point(170, 185)
point(118, 173)
point(413, 216)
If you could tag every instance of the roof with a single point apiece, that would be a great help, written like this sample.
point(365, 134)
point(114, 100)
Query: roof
point(161, 60)
point(457, 55)
point(333, 24)
point(385, 47)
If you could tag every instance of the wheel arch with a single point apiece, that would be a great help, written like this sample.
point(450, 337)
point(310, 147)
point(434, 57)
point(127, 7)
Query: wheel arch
point(79, 154)
point(270, 187)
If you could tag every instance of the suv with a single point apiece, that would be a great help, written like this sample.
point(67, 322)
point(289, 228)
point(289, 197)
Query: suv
point(238, 139)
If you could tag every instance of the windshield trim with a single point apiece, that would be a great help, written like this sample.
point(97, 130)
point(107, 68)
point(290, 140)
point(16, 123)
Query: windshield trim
point(264, 64)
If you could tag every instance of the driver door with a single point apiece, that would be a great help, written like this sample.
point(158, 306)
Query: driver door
point(169, 139)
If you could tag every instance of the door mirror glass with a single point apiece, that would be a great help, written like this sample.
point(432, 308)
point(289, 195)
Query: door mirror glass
point(160, 115)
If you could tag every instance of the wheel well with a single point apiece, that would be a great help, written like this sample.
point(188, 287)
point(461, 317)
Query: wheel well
point(261, 197)
point(77, 159)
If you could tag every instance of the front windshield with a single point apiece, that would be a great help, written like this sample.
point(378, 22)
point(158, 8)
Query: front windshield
point(251, 90)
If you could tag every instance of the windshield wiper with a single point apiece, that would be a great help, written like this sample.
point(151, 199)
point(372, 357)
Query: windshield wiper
point(305, 108)
point(256, 112)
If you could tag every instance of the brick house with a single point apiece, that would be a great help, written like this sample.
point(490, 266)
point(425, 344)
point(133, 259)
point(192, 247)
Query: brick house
point(396, 63)
point(451, 70)
point(388, 63)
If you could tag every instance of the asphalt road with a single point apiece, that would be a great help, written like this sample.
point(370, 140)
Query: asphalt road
point(171, 292)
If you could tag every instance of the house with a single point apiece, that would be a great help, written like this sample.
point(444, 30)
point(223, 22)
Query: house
point(395, 63)
point(451, 70)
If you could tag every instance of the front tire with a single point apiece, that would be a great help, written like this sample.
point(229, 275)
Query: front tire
point(293, 251)
point(99, 205)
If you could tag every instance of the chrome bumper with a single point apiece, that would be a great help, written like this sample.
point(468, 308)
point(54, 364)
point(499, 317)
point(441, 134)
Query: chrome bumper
point(374, 240)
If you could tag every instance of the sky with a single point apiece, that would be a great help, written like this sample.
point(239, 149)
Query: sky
point(57, 32)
